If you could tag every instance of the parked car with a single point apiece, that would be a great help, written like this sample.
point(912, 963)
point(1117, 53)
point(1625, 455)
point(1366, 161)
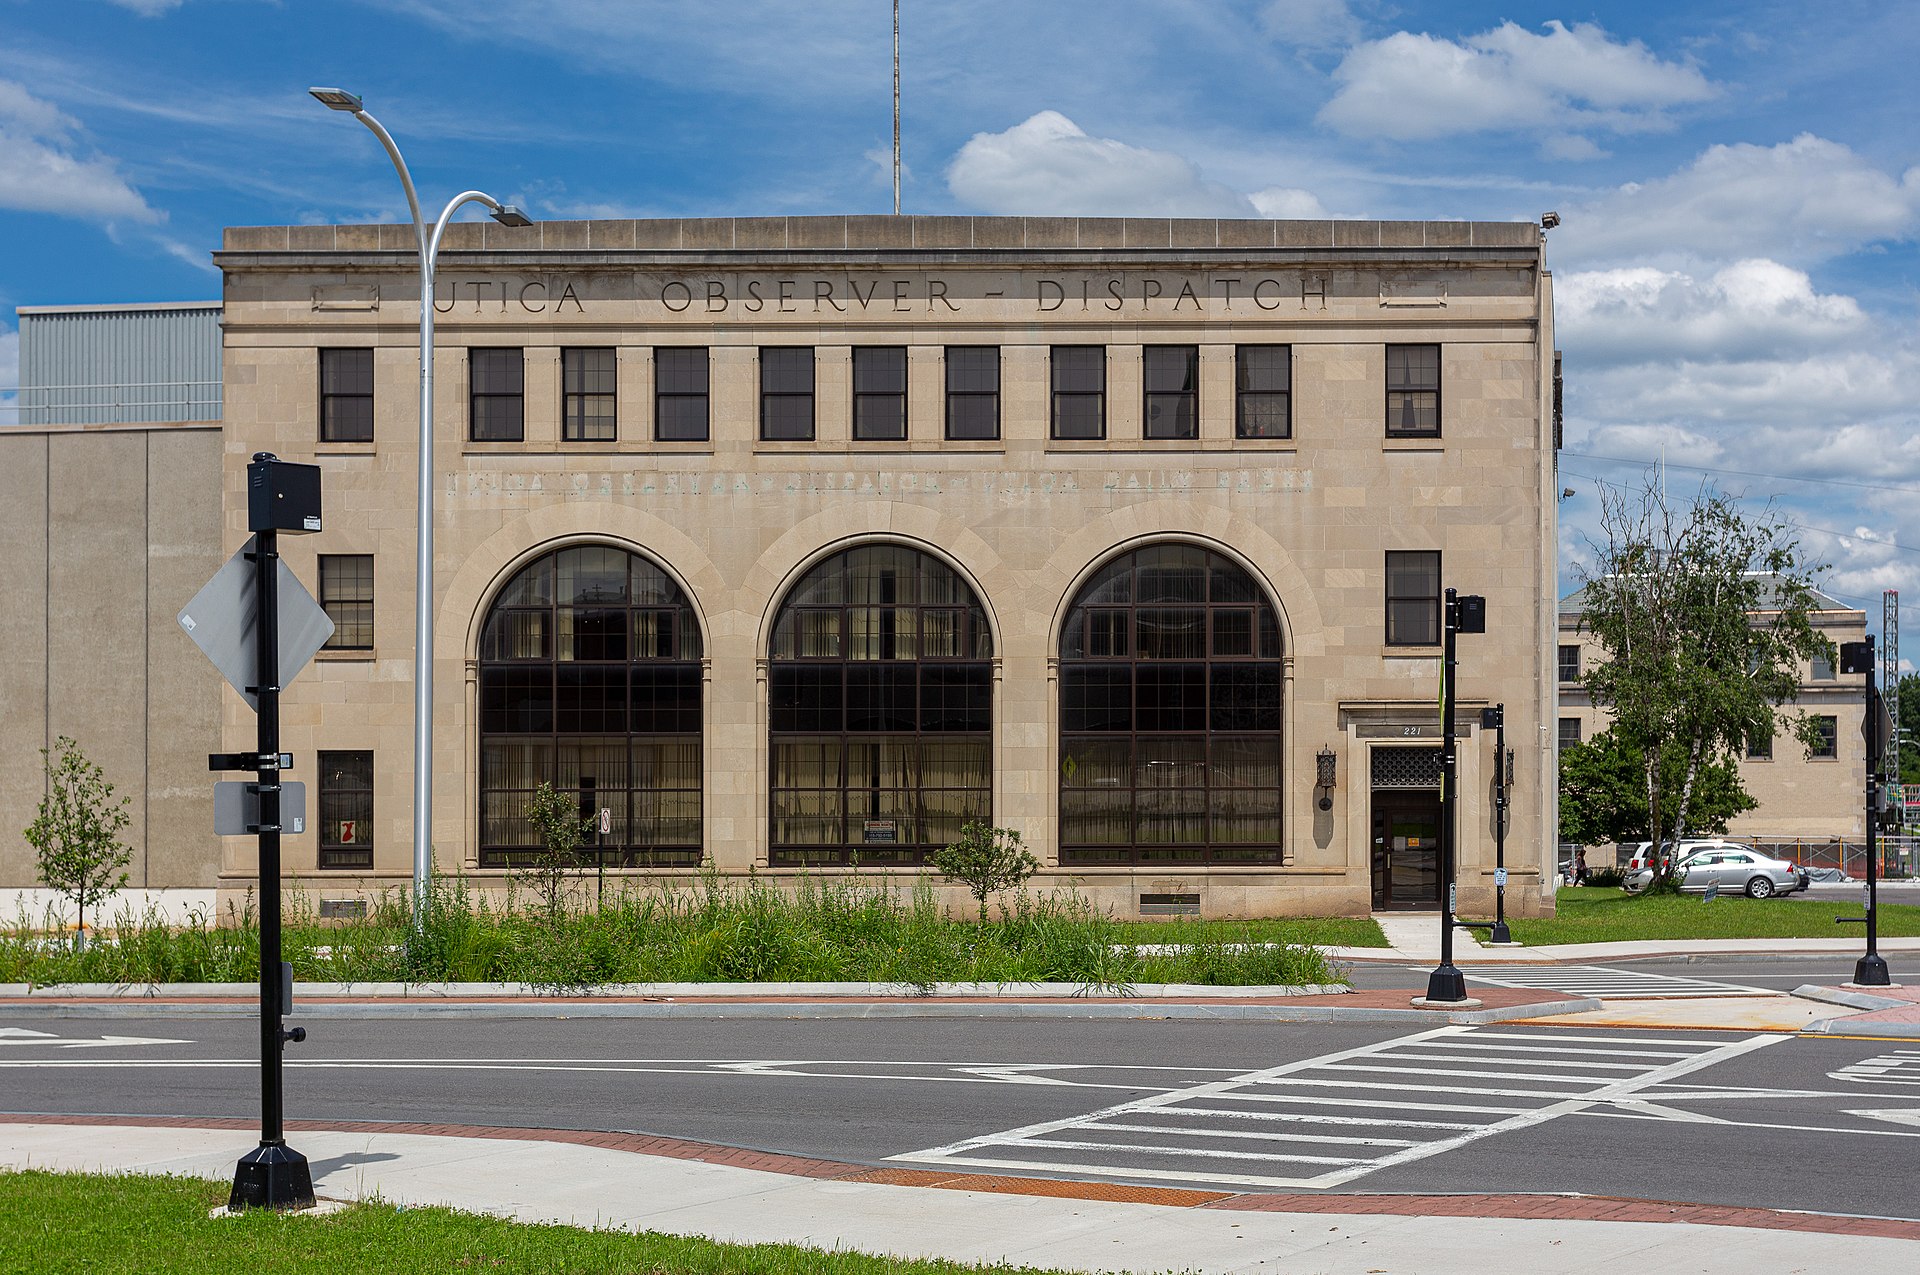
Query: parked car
point(1731, 867)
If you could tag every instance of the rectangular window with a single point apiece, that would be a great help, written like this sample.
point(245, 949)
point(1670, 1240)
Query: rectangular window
point(1413, 390)
point(1079, 391)
point(1822, 669)
point(680, 395)
point(346, 396)
point(1760, 747)
point(1569, 731)
point(1570, 663)
point(879, 393)
point(1263, 379)
point(498, 395)
point(587, 388)
point(786, 394)
point(346, 595)
point(346, 810)
point(1829, 745)
point(1171, 374)
point(1413, 598)
point(973, 391)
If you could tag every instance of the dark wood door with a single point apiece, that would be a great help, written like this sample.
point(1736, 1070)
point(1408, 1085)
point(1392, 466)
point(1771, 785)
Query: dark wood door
point(1406, 850)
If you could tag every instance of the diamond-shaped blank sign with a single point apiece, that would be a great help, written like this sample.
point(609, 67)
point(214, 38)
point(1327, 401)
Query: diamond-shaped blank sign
point(223, 621)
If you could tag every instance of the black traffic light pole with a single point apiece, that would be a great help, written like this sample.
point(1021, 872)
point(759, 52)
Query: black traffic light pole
point(1871, 969)
point(1496, 718)
point(1446, 985)
point(272, 1175)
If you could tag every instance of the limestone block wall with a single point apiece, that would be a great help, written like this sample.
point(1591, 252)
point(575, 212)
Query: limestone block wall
point(105, 533)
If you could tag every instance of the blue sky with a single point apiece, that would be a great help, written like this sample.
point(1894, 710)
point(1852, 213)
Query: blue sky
point(1740, 184)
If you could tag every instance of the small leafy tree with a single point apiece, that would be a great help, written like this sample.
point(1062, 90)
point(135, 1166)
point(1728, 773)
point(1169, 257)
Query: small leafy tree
point(1705, 615)
point(1603, 793)
point(557, 823)
point(76, 835)
point(985, 859)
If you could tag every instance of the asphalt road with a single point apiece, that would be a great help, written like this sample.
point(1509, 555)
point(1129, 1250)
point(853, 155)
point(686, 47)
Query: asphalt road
point(1710, 1116)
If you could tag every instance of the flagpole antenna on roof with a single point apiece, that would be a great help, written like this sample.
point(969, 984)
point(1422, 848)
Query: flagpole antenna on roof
point(896, 108)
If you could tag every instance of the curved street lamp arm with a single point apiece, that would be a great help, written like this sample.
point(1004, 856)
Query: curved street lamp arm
point(406, 178)
point(432, 246)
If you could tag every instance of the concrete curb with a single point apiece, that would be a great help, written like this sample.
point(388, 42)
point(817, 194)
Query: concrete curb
point(1851, 1027)
point(1848, 997)
point(823, 1010)
point(744, 991)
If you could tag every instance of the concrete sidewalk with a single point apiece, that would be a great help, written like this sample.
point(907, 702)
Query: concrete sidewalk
point(1414, 938)
point(633, 1182)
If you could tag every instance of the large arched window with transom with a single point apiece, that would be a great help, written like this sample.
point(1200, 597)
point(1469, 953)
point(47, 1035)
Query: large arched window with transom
point(880, 709)
point(590, 681)
point(1170, 714)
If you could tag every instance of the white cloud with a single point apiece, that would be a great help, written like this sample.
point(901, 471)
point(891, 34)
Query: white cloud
point(1811, 396)
point(1285, 202)
point(1571, 146)
point(40, 170)
point(1807, 199)
point(1046, 165)
point(1310, 24)
point(1751, 309)
point(1410, 86)
point(150, 8)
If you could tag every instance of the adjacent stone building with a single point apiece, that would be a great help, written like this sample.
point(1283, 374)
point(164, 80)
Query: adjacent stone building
point(1810, 805)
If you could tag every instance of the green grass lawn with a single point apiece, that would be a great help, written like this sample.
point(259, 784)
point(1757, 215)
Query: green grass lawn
point(1599, 914)
point(102, 1223)
point(1312, 931)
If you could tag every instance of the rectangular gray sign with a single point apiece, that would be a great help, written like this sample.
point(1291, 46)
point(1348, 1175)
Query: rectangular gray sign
point(236, 808)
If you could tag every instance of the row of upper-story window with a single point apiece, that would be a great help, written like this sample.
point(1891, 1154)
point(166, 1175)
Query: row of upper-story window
point(1759, 747)
point(682, 408)
point(1819, 668)
point(1412, 598)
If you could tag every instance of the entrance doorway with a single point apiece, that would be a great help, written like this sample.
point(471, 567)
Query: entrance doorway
point(1406, 850)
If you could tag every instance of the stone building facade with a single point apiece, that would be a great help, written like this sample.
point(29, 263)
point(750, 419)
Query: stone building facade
point(791, 544)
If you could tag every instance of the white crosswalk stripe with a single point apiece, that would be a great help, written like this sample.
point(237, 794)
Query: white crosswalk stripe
point(1605, 982)
point(1326, 1121)
point(1900, 1068)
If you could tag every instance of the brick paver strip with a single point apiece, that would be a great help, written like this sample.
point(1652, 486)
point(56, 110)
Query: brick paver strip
point(1585, 1208)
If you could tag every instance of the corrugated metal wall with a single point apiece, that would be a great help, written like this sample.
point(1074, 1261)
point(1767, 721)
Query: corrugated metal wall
point(89, 365)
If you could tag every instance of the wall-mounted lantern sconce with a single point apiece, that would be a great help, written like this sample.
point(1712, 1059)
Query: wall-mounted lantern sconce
point(1323, 768)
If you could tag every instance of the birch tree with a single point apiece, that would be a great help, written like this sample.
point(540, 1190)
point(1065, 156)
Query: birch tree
point(1704, 615)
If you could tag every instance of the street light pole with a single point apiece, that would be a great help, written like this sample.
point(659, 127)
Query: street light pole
point(429, 248)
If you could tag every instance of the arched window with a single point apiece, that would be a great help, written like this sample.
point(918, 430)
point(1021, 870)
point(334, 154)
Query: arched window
point(1170, 714)
point(880, 708)
point(590, 681)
